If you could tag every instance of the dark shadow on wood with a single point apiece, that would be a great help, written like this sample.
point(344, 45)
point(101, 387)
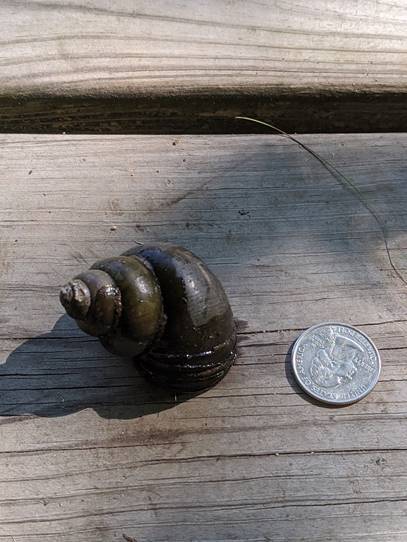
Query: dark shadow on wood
point(65, 371)
point(210, 112)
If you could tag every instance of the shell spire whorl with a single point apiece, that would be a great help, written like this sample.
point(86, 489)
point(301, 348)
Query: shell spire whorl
point(94, 301)
point(76, 299)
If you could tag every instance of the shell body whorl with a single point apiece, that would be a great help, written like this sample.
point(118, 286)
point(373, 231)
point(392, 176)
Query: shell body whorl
point(197, 346)
point(162, 305)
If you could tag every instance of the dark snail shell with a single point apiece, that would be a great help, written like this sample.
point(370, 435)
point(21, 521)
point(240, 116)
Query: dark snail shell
point(162, 305)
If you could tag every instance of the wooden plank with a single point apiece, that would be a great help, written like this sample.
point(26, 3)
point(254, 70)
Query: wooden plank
point(90, 452)
point(99, 65)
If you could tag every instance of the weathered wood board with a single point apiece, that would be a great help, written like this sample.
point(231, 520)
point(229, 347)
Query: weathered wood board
point(103, 65)
point(89, 452)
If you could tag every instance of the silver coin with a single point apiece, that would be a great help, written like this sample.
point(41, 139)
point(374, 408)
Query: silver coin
point(336, 363)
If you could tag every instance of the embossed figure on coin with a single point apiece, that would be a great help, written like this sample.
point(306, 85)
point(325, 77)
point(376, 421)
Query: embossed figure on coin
point(336, 361)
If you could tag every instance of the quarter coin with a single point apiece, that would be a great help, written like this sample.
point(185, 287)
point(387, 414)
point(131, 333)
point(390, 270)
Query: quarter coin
point(336, 363)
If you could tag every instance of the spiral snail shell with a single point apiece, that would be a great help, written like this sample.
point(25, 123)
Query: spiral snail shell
point(161, 305)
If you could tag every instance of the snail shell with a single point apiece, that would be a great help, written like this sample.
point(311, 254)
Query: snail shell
point(161, 305)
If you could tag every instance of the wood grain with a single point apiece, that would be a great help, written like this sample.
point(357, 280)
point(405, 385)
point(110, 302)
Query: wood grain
point(90, 452)
point(102, 65)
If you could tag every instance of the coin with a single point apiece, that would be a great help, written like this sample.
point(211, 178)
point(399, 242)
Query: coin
point(336, 363)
